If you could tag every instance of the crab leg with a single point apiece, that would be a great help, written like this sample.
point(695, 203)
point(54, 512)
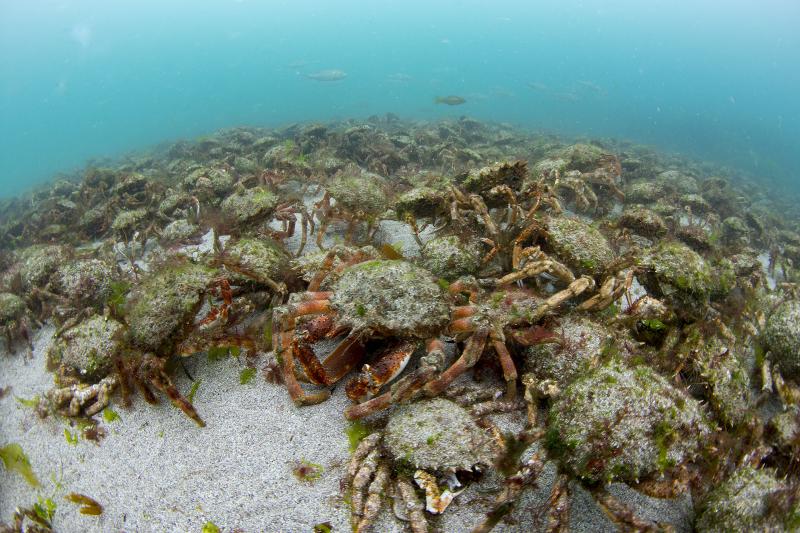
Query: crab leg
point(123, 381)
point(326, 266)
point(363, 449)
point(622, 515)
point(303, 233)
point(575, 288)
point(154, 373)
point(506, 362)
point(472, 352)
point(360, 481)
point(414, 507)
point(288, 227)
point(612, 288)
point(464, 286)
point(464, 311)
point(558, 505)
point(374, 498)
point(296, 392)
point(462, 325)
point(514, 485)
point(283, 345)
point(480, 206)
point(323, 227)
point(493, 251)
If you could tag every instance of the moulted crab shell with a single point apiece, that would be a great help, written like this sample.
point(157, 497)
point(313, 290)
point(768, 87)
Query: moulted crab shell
point(504, 173)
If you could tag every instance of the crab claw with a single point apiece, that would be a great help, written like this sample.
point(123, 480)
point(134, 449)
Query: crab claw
point(388, 364)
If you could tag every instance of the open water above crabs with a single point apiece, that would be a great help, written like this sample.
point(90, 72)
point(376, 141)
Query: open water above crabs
point(524, 326)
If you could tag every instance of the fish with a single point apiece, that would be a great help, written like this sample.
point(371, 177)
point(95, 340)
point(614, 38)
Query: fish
point(399, 77)
point(327, 75)
point(449, 100)
point(538, 86)
point(567, 96)
point(591, 86)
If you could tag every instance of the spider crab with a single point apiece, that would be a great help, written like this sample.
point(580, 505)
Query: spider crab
point(393, 299)
point(612, 423)
point(16, 322)
point(377, 299)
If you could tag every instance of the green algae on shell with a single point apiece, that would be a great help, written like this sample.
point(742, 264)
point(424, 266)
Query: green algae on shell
point(249, 204)
point(643, 221)
point(128, 221)
point(39, 262)
point(581, 246)
point(785, 430)
point(449, 257)
point(749, 500)
point(259, 258)
point(390, 297)
point(12, 308)
point(720, 367)
point(87, 281)
point(359, 193)
point(438, 435)
point(164, 303)
point(578, 342)
point(678, 273)
point(624, 424)
point(735, 232)
point(782, 337)
point(88, 349)
point(179, 230)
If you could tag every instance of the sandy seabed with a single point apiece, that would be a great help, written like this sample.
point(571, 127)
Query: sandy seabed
point(157, 471)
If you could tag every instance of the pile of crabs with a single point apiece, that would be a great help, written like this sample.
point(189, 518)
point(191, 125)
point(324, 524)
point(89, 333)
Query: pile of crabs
point(598, 311)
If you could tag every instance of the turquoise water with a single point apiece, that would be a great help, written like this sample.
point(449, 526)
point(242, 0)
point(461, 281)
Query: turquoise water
point(82, 79)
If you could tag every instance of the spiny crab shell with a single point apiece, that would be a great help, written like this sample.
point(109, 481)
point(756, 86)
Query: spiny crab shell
point(619, 423)
point(438, 435)
point(390, 298)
